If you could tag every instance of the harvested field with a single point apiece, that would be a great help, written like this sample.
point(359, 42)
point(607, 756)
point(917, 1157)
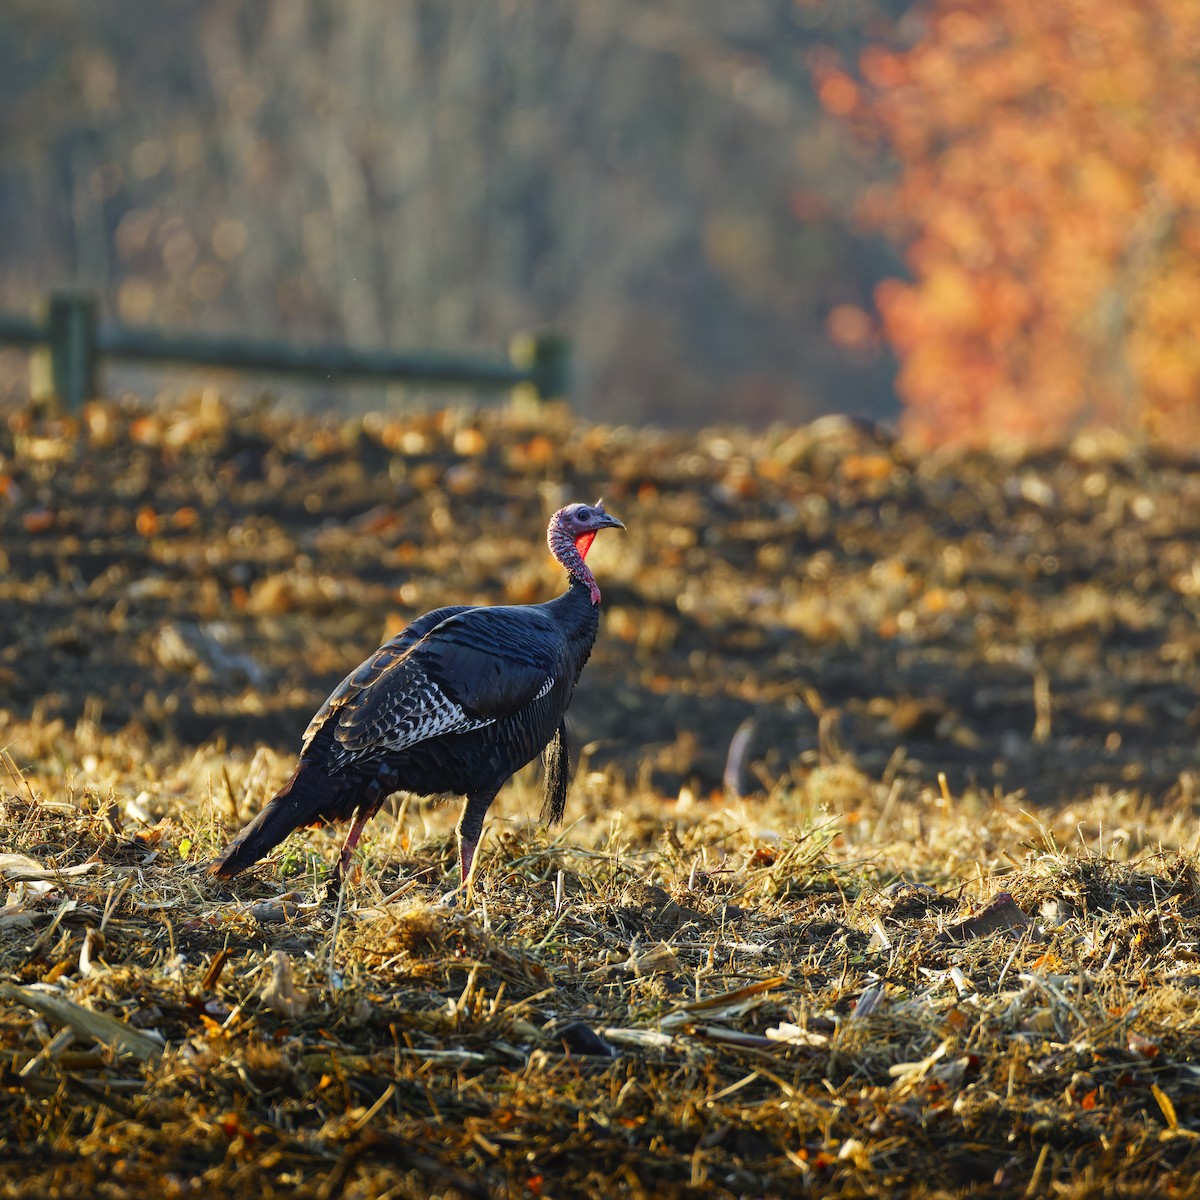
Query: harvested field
point(878, 875)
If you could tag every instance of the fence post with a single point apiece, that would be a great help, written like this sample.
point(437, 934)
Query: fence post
point(552, 366)
point(71, 332)
point(547, 358)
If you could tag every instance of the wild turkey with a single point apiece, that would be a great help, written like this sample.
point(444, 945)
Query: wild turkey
point(453, 705)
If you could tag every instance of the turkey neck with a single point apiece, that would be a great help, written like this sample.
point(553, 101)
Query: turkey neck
point(578, 618)
point(568, 552)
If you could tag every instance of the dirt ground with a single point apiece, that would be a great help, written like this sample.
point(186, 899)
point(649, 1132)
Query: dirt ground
point(878, 876)
point(1027, 625)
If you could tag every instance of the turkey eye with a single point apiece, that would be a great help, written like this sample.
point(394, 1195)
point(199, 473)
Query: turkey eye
point(583, 514)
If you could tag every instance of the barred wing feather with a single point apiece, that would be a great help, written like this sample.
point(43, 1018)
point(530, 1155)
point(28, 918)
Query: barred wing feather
point(368, 674)
point(468, 671)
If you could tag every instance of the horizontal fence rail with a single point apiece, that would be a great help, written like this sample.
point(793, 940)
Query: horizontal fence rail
point(21, 331)
point(77, 341)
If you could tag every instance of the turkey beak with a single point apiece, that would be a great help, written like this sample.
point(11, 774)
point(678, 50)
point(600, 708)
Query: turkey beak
point(607, 522)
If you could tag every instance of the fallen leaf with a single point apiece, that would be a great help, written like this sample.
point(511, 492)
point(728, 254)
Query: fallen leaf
point(1001, 914)
point(1167, 1105)
point(1143, 1046)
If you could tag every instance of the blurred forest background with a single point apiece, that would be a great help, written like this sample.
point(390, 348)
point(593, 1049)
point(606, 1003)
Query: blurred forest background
point(988, 214)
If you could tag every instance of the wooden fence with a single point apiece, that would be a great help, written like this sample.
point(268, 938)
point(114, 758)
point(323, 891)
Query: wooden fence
point(78, 340)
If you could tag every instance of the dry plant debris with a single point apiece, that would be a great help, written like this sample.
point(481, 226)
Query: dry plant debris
point(856, 971)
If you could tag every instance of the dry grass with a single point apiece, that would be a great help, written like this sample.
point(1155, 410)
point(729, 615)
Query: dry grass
point(668, 996)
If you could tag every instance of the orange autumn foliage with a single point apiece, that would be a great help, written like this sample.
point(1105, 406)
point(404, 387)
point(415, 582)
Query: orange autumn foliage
point(1049, 200)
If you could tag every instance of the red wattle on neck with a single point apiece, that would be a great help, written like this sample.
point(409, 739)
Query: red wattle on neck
point(583, 543)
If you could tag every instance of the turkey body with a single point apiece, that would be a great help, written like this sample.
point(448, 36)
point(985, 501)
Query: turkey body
point(454, 704)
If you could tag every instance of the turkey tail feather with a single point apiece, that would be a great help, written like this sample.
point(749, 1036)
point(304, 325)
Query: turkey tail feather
point(558, 774)
point(306, 796)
